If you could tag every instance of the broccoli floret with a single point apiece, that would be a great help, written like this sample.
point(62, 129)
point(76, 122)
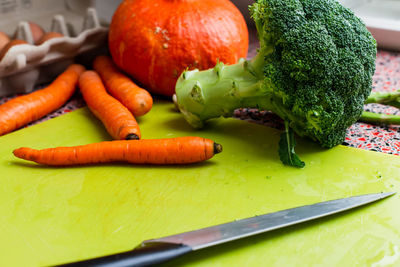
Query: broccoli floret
point(314, 69)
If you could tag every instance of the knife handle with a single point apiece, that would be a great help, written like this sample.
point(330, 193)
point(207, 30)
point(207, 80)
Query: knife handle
point(146, 254)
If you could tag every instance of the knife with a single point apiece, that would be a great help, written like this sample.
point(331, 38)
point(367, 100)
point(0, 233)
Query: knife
point(156, 251)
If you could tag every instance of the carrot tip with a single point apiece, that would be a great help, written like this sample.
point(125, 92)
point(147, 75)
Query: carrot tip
point(217, 148)
point(132, 137)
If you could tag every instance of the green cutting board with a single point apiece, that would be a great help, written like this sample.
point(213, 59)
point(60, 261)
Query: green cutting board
point(54, 215)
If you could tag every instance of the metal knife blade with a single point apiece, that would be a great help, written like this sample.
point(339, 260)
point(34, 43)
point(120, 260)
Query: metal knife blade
point(222, 233)
point(159, 250)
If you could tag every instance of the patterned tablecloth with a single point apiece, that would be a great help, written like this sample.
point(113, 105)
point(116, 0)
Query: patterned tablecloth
point(361, 135)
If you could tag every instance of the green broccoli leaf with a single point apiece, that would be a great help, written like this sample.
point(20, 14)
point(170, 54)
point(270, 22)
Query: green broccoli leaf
point(286, 149)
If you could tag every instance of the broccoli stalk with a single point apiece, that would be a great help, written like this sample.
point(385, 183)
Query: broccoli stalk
point(378, 118)
point(385, 98)
point(313, 69)
point(238, 85)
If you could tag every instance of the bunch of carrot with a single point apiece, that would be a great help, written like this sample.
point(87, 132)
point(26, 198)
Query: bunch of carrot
point(24, 109)
point(114, 99)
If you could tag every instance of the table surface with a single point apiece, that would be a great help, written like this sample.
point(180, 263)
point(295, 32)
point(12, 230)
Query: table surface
point(384, 139)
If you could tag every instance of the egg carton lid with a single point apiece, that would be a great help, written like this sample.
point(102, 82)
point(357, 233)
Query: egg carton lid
point(84, 32)
point(27, 56)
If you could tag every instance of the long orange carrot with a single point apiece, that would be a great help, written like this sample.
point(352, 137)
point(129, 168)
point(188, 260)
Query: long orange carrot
point(136, 99)
point(24, 109)
point(118, 120)
point(180, 150)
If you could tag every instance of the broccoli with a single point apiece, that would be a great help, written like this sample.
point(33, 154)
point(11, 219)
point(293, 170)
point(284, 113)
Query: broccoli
point(313, 69)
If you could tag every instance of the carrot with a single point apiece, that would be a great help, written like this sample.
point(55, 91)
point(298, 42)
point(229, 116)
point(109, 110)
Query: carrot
point(180, 150)
point(118, 120)
point(24, 109)
point(136, 99)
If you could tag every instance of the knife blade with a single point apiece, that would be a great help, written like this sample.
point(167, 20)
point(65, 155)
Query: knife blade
point(156, 251)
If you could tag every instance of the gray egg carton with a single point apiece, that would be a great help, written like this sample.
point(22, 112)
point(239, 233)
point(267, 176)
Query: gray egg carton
point(27, 65)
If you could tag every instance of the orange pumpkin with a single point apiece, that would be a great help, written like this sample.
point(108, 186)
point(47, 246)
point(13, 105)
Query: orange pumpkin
point(155, 40)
